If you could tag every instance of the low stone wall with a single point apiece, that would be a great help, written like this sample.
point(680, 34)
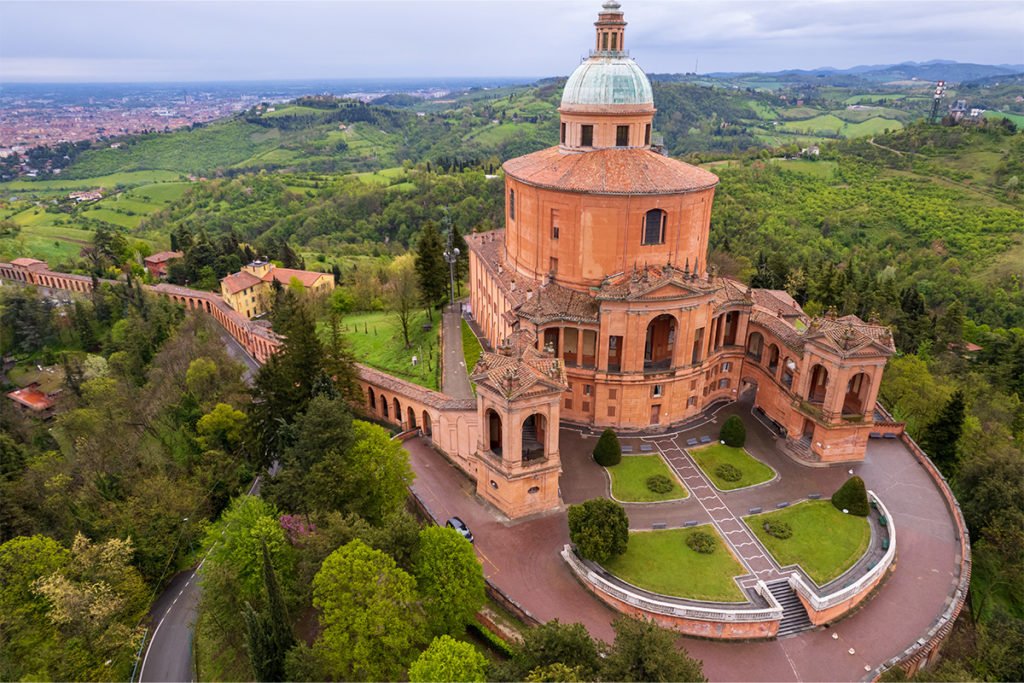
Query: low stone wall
point(926, 649)
point(740, 623)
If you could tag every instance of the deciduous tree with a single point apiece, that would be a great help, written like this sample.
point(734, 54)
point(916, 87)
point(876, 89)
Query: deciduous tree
point(450, 579)
point(599, 528)
point(372, 624)
point(447, 659)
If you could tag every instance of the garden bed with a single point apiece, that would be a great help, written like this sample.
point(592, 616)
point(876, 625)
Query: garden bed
point(751, 470)
point(629, 480)
point(825, 542)
point(662, 562)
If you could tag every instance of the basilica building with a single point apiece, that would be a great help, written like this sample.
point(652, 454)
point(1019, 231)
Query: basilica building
point(603, 266)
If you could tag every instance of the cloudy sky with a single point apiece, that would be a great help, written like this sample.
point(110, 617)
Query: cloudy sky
point(175, 40)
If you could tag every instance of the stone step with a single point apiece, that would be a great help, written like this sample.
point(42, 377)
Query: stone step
point(794, 615)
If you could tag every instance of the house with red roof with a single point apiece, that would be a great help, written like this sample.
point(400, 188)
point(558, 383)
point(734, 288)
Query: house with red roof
point(249, 291)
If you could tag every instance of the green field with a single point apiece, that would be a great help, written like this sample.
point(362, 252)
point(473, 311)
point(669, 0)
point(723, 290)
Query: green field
point(629, 480)
point(107, 182)
point(661, 562)
point(818, 169)
point(376, 340)
point(830, 123)
point(161, 193)
point(1016, 118)
point(825, 542)
point(873, 99)
point(710, 457)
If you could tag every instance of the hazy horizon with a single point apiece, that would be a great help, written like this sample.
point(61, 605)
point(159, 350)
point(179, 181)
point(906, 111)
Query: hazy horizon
point(193, 41)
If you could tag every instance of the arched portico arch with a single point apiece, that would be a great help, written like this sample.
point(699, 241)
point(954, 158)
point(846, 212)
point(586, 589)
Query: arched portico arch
point(818, 384)
point(773, 358)
point(534, 437)
point(428, 428)
point(372, 398)
point(494, 436)
point(755, 346)
point(857, 391)
point(398, 410)
point(411, 414)
point(660, 342)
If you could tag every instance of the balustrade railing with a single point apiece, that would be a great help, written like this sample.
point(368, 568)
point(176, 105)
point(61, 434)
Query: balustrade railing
point(740, 615)
point(823, 602)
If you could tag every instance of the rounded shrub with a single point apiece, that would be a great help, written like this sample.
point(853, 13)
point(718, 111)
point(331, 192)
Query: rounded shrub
point(733, 433)
point(608, 451)
point(853, 497)
point(599, 528)
point(659, 483)
point(778, 529)
point(727, 472)
point(702, 542)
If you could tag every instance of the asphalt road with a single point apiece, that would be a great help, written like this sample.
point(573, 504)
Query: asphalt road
point(169, 653)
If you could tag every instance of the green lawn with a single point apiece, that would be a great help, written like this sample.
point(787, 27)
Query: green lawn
point(661, 562)
point(629, 480)
point(710, 457)
point(376, 340)
point(825, 542)
point(471, 348)
point(105, 181)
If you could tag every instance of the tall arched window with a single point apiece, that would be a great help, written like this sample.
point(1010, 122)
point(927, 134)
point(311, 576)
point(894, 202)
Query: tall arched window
point(512, 204)
point(654, 227)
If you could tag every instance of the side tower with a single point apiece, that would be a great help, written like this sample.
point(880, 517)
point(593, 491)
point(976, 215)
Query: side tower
point(518, 392)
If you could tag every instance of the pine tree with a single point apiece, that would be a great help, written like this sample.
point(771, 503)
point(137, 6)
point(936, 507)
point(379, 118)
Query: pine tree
point(940, 437)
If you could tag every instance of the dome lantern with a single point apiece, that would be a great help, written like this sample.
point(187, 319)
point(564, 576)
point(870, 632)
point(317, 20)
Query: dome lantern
point(607, 101)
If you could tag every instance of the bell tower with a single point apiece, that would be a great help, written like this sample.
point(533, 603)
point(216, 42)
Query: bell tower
point(518, 394)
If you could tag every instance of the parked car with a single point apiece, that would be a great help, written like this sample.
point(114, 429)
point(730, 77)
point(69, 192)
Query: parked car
point(460, 526)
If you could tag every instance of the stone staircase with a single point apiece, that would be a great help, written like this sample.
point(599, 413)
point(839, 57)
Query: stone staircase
point(794, 616)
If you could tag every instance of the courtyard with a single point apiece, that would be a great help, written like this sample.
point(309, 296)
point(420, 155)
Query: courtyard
point(521, 558)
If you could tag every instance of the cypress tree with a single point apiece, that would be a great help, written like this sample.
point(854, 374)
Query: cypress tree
point(268, 632)
point(431, 269)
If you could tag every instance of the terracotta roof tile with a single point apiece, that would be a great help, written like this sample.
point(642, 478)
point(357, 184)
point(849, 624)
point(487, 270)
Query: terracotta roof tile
point(284, 275)
point(609, 171)
point(519, 369)
point(162, 256)
point(236, 282)
point(850, 335)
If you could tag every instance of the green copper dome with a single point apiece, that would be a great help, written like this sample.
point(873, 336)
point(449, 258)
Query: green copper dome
point(607, 80)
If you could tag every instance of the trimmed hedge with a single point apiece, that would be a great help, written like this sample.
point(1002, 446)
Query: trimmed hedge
point(702, 542)
point(728, 472)
point(608, 451)
point(659, 483)
point(733, 433)
point(853, 497)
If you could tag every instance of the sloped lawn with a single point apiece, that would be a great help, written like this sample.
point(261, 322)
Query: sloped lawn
point(661, 562)
point(825, 542)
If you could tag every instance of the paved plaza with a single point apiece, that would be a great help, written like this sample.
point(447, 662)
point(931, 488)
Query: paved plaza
point(522, 557)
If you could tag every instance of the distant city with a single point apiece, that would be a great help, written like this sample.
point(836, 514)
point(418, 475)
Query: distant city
point(33, 115)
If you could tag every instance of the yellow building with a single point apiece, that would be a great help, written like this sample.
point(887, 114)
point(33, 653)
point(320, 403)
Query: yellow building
point(249, 291)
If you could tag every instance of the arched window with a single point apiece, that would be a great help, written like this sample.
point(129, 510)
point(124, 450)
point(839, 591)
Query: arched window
point(654, 227)
point(533, 436)
point(658, 347)
point(855, 402)
point(819, 384)
point(512, 204)
point(494, 440)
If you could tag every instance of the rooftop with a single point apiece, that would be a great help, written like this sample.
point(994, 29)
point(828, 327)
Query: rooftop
point(609, 171)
